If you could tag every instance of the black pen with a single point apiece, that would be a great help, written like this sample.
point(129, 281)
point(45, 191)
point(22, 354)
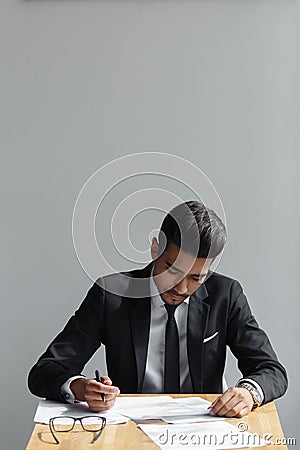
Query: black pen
point(100, 380)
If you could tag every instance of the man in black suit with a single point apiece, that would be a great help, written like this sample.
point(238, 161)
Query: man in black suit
point(165, 328)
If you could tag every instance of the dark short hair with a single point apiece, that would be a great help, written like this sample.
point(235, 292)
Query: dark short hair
point(194, 228)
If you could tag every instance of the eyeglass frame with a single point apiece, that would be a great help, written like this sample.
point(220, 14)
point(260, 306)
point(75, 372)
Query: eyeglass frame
point(51, 426)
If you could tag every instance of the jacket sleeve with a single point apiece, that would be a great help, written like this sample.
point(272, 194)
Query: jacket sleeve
point(68, 353)
point(252, 348)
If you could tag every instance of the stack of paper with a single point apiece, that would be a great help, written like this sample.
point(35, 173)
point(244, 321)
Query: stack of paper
point(180, 410)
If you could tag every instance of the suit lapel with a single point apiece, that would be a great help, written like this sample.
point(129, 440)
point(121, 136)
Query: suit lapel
point(140, 319)
point(140, 327)
point(196, 328)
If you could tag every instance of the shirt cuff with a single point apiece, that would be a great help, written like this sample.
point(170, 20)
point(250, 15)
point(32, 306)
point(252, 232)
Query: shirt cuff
point(254, 383)
point(66, 390)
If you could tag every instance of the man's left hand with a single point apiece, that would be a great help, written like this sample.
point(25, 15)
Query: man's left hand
point(235, 402)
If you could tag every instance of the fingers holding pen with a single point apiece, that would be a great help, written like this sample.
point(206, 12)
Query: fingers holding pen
point(91, 391)
point(97, 388)
point(106, 380)
point(94, 395)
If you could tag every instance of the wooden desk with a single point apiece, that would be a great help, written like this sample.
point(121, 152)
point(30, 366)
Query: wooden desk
point(128, 436)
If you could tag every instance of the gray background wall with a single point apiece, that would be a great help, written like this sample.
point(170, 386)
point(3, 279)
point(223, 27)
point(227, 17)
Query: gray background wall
point(86, 81)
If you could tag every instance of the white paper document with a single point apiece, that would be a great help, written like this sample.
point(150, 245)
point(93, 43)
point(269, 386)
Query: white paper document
point(189, 410)
point(204, 436)
point(142, 408)
point(47, 409)
point(180, 410)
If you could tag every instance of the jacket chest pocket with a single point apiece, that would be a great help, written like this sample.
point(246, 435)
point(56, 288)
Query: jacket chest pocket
point(211, 341)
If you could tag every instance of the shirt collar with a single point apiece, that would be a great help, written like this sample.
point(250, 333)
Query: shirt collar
point(156, 299)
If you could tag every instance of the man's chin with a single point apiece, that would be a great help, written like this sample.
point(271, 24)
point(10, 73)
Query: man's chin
point(171, 299)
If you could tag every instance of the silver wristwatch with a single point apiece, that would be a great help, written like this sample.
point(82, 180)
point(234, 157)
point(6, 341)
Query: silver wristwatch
point(257, 400)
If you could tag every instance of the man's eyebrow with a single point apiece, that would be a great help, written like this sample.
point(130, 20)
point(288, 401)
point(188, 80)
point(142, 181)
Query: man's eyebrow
point(198, 275)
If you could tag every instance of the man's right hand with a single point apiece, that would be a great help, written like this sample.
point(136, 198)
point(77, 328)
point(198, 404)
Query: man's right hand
point(90, 391)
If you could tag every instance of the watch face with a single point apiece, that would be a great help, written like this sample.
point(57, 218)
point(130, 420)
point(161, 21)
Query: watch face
point(256, 395)
point(254, 392)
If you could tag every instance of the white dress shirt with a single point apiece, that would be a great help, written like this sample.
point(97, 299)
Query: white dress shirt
point(155, 365)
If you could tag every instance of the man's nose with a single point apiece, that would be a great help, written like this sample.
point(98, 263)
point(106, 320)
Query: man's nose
point(181, 287)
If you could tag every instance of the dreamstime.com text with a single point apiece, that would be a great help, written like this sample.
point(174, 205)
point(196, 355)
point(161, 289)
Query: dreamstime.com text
point(233, 438)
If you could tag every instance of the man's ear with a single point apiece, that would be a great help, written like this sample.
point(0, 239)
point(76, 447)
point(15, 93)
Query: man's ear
point(154, 248)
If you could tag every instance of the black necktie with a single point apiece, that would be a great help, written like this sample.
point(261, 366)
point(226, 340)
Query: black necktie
point(172, 379)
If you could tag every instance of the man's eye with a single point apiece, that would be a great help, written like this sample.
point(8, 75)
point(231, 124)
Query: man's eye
point(173, 272)
point(200, 280)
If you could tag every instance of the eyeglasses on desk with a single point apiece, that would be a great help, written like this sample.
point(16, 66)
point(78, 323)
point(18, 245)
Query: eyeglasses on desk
point(65, 424)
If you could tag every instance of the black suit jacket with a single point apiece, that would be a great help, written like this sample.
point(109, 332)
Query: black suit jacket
point(122, 324)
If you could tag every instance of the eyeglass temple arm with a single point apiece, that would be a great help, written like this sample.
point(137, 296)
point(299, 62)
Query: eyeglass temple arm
point(52, 432)
point(97, 436)
point(99, 432)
